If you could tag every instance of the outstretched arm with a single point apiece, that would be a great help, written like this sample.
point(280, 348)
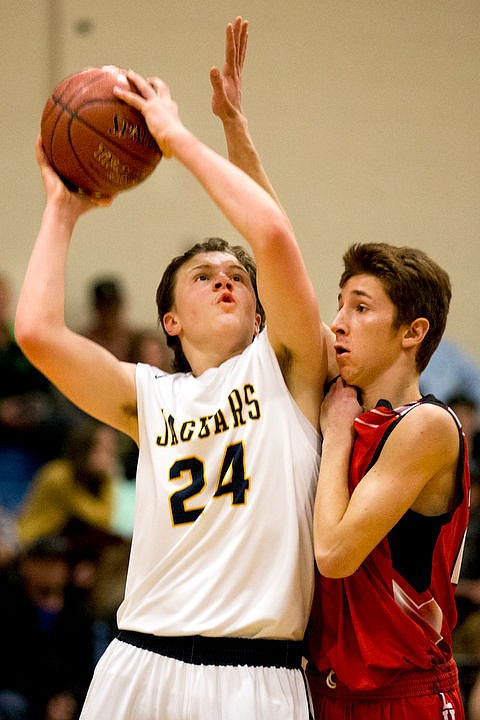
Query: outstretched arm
point(227, 105)
point(284, 286)
point(86, 373)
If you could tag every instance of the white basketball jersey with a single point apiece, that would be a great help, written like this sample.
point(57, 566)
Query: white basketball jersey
point(226, 481)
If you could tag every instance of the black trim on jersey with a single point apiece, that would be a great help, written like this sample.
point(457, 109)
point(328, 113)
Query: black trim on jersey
point(412, 543)
point(412, 540)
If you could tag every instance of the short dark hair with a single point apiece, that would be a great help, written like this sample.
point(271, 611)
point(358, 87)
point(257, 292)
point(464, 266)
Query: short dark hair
point(47, 547)
point(166, 289)
point(106, 291)
point(416, 285)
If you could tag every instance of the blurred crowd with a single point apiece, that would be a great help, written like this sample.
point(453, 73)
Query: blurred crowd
point(455, 378)
point(67, 485)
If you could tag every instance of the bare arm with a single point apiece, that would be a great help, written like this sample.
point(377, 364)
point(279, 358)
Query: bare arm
point(284, 285)
point(86, 373)
point(227, 105)
point(415, 470)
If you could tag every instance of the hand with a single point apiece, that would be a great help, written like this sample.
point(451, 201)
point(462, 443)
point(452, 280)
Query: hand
point(339, 409)
point(57, 192)
point(227, 85)
point(153, 100)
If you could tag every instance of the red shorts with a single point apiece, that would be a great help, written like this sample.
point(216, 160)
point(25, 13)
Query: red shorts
point(418, 696)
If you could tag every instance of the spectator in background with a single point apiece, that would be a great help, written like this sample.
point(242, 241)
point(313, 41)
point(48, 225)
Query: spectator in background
point(9, 545)
point(451, 372)
point(30, 429)
point(111, 328)
point(466, 636)
point(473, 706)
point(77, 496)
point(46, 658)
point(73, 495)
point(151, 348)
point(466, 409)
point(109, 325)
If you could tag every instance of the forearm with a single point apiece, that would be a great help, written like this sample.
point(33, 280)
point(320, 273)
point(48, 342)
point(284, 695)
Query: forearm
point(243, 153)
point(248, 207)
point(331, 502)
point(41, 302)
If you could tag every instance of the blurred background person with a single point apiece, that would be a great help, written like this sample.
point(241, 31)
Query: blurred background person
point(466, 636)
point(31, 431)
point(83, 497)
point(72, 495)
point(109, 325)
point(47, 657)
point(451, 372)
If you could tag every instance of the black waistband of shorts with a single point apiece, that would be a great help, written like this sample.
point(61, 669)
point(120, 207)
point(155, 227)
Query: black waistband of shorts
point(202, 650)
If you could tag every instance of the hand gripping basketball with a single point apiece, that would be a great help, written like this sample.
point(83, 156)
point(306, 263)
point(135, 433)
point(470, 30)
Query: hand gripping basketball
point(93, 140)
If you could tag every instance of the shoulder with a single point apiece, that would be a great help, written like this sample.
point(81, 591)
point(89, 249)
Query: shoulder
point(429, 419)
point(428, 438)
point(433, 415)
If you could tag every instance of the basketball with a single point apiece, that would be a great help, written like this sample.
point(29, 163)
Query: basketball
point(94, 141)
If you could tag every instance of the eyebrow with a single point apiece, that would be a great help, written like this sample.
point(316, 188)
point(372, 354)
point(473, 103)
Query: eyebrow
point(209, 266)
point(357, 293)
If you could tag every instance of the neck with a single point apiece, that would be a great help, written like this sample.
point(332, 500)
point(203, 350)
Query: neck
point(397, 395)
point(201, 361)
point(212, 354)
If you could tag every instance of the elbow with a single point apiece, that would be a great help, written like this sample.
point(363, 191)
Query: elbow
point(22, 331)
point(28, 336)
point(25, 334)
point(332, 563)
point(275, 231)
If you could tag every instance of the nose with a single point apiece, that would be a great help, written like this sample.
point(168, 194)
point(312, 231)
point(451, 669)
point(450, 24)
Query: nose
point(222, 281)
point(338, 324)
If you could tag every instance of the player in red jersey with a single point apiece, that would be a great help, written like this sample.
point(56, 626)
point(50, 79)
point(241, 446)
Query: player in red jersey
point(392, 502)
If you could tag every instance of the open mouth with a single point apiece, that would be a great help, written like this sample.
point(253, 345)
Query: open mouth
point(226, 298)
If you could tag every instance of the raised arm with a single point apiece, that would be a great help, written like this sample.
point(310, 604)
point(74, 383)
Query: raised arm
point(227, 106)
point(285, 289)
point(86, 373)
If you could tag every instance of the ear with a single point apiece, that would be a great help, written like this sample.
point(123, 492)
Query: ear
point(171, 324)
point(415, 332)
point(258, 321)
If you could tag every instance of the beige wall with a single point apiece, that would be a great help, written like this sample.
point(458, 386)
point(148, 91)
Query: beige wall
point(366, 112)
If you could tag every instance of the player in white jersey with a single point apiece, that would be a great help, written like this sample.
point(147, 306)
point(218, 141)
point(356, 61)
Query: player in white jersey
point(220, 579)
point(219, 451)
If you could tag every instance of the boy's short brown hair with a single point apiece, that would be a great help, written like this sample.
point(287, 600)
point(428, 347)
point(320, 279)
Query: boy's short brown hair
point(416, 285)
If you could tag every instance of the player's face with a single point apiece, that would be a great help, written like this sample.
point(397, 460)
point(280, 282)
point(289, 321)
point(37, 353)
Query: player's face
point(214, 298)
point(367, 344)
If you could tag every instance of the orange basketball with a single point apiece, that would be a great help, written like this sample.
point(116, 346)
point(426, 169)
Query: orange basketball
point(93, 140)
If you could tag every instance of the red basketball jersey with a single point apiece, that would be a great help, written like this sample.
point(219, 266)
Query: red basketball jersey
point(396, 613)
